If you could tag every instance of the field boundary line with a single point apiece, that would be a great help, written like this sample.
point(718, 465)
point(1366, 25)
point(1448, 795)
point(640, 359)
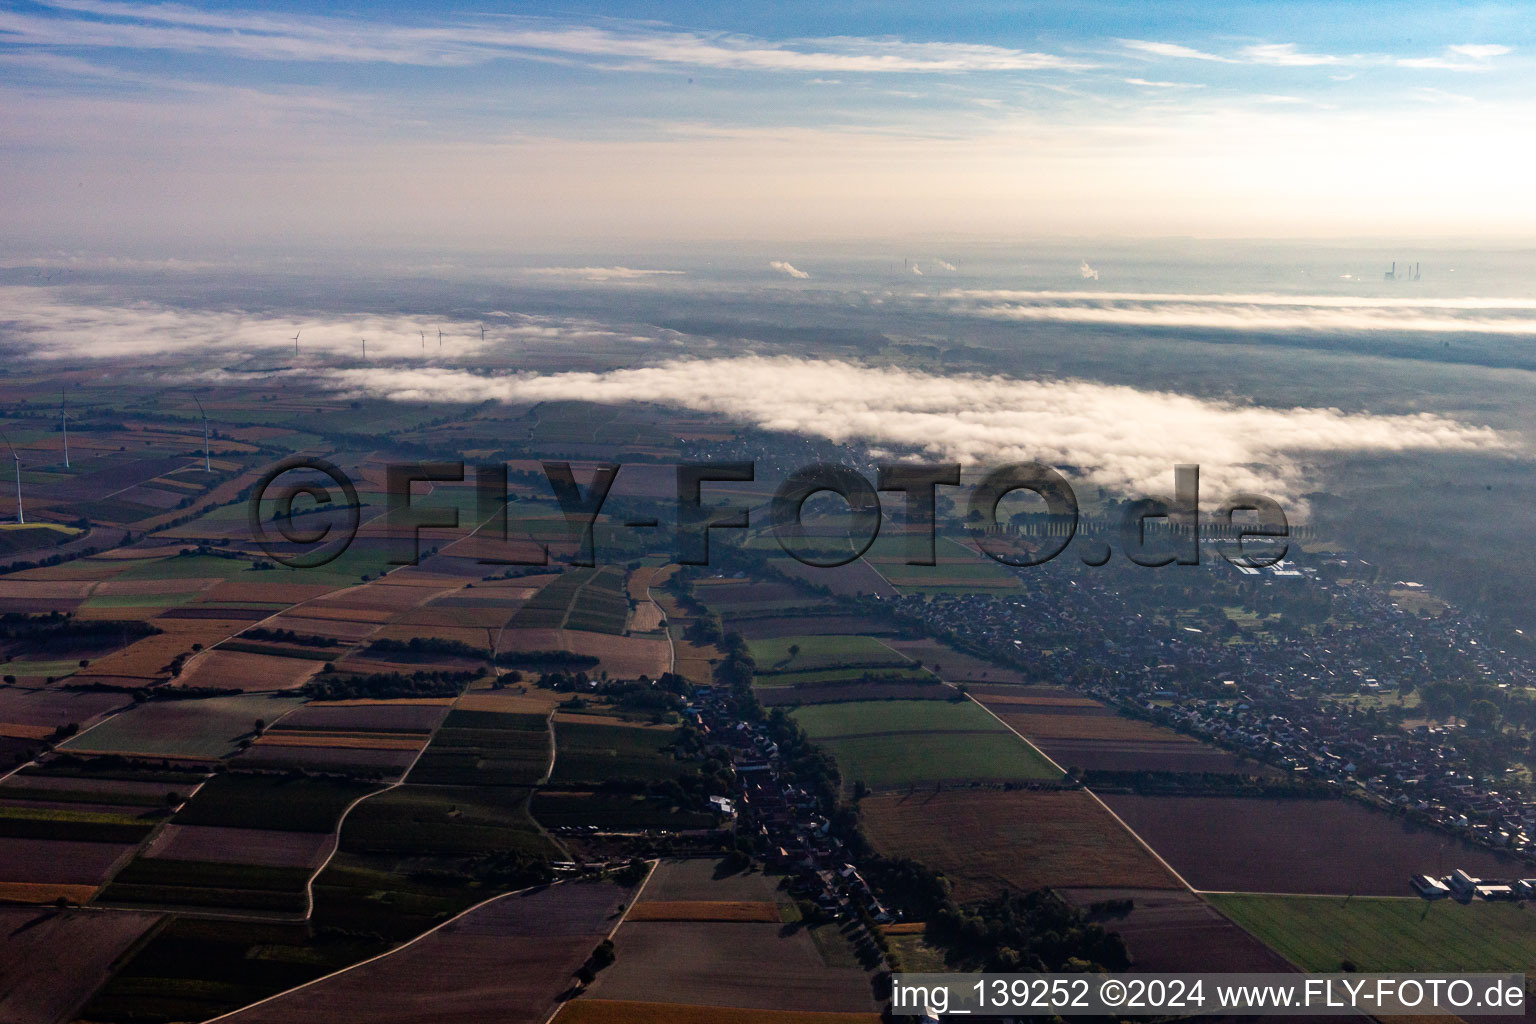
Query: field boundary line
point(561, 1004)
point(666, 621)
point(378, 956)
point(309, 886)
point(1096, 799)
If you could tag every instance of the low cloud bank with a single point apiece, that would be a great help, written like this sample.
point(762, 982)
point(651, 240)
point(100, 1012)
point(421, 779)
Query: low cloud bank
point(1114, 436)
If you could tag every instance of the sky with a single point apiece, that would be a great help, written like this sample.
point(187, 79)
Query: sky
point(180, 128)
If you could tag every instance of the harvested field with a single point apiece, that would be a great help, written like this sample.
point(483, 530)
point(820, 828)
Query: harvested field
point(705, 910)
point(346, 740)
point(44, 892)
point(150, 657)
point(240, 846)
point(336, 629)
point(247, 671)
point(51, 708)
point(697, 878)
point(610, 1011)
point(1175, 930)
point(367, 717)
point(514, 700)
point(199, 728)
point(509, 960)
point(371, 763)
point(954, 666)
point(1311, 846)
point(1318, 934)
point(623, 657)
point(59, 861)
point(986, 840)
point(257, 593)
point(51, 961)
point(756, 966)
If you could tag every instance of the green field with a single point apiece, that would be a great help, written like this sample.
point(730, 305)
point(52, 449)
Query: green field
point(485, 748)
point(445, 821)
point(905, 674)
point(209, 727)
point(592, 752)
point(895, 743)
point(1318, 933)
point(614, 811)
point(822, 652)
point(285, 803)
point(884, 716)
point(205, 884)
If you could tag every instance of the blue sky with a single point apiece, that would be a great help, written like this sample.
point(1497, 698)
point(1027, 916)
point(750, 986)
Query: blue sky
point(167, 125)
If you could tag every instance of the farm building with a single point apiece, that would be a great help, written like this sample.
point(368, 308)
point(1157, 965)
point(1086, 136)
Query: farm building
point(1462, 884)
point(1430, 888)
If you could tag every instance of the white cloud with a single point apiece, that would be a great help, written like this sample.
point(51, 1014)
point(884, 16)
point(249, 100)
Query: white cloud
point(946, 265)
point(1086, 272)
point(1119, 437)
point(1157, 49)
point(1164, 85)
point(600, 273)
point(1257, 312)
point(1285, 55)
point(1481, 51)
point(252, 36)
point(785, 267)
point(38, 323)
point(917, 270)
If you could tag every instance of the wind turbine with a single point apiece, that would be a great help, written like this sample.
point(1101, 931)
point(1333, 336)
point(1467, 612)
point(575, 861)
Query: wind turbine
point(482, 334)
point(423, 338)
point(207, 465)
point(296, 341)
point(439, 339)
point(64, 423)
point(21, 517)
point(365, 348)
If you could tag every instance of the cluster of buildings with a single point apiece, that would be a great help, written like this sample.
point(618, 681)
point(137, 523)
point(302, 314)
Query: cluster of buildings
point(783, 818)
point(1277, 695)
point(1464, 887)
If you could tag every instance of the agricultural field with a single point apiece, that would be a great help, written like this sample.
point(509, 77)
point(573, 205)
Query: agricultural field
point(207, 728)
point(1175, 930)
point(485, 748)
point(902, 743)
point(745, 961)
point(52, 960)
point(608, 1011)
point(593, 753)
point(281, 802)
point(508, 960)
point(985, 840)
point(446, 821)
point(261, 847)
point(1373, 934)
point(808, 653)
point(1312, 846)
